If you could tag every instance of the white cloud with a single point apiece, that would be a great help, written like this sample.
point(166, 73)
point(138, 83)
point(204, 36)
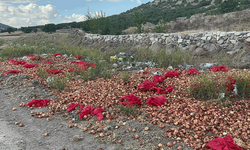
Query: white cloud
point(66, 17)
point(66, 10)
point(19, 1)
point(132, 0)
point(78, 17)
point(88, 0)
point(138, 1)
point(18, 22)
point(35, 11)
point(114, 0)
point(43, 22)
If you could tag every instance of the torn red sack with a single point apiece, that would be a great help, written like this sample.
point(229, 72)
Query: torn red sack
point(172, 74)
point(78, 57)
point(158, 90)
point(56, 54)
point(86, 111)
point(145, 86)
point(38, 103)
point(219, 68)
point(226, 143)
point(193, 70)
point(92, 65)
point(132, 99)
point(158, 78)
point(30, 55)
point(156, 101)
point(12, 71)
point(29, 65)
point(53, 71)
point(17, 62)
point(169, 88)
point(72, 106)
point(98, 113)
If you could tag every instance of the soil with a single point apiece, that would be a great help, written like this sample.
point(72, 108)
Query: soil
point(14, 90)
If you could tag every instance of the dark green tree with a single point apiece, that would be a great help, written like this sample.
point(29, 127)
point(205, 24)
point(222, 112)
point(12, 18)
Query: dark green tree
point(9, 30)
point(161, 27)
point(228, 6)
point(138, 21)
point(34, 30)
point(49, 28)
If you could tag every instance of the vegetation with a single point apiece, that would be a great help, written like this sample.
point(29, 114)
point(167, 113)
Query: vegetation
point(58, 83)
point(161, 27)
point(138, 21)
point(9, 30)
point(49, 28)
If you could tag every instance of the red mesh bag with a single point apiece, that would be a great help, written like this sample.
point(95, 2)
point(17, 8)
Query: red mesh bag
point(145, 86)
point(30, 55)
point(169, 88)
point(226, 143)
point(56, 54)
point(86, 111)
point(158, 78)
point(38, 103)
point(156, 101)
point(49, 62)
point(29, 65)
point(172, 74)
point(132, 99)
point(53, 71)
point(78, 57)
point(158, 90)
point(12, 71)
point(72, 106)
point(193, 70)
point(98, 113)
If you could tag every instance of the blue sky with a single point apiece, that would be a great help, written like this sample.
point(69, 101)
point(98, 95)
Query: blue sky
point(22, 13)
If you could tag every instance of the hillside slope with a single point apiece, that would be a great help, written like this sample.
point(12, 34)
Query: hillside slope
point(4, 27)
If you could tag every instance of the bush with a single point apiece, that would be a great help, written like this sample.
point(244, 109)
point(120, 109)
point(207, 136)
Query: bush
point(58, 83)
point(243, 83)
point(207, 86)
point(124, 76)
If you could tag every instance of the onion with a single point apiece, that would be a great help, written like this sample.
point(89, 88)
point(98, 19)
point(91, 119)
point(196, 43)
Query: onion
point(169, 144)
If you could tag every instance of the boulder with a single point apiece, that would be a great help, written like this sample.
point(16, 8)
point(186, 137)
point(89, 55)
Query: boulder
point(212, 48)
point(199, 52)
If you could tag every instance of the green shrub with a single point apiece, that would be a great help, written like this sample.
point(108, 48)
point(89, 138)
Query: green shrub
point(126, 110)
point(58, 83)
point(243, 83)
point(16, 51)
point(42, 73)
point(124, 76)
point(207, 86)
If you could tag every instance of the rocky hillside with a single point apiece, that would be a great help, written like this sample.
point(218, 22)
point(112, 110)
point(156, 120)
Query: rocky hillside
point(234, 21)
point(4, 27)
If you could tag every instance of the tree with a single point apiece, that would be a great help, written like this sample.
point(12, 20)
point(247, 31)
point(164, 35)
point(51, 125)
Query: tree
point(228, 6)
point(35, 30)
point(138, 21)
point(49, 28)
point(9, 30)
point(26, 29)
point(161, 27)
